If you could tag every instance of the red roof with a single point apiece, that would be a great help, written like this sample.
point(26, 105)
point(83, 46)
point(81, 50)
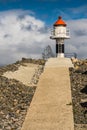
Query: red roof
point(59, 22)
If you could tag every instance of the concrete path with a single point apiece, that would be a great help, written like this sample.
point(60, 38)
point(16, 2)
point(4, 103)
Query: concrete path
point(51, 107)
point(59, 62)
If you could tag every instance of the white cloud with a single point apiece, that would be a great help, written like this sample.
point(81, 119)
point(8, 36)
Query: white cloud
point(78, 41)
point(78, 10)
point(22, 35)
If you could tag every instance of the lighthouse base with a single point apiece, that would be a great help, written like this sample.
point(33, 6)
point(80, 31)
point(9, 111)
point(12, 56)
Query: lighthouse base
point(60, 55)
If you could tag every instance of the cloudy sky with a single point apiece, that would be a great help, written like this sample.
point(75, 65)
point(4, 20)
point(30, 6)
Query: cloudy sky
point(25, 27)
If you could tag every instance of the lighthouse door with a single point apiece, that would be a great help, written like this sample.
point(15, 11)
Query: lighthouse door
point(59, 48)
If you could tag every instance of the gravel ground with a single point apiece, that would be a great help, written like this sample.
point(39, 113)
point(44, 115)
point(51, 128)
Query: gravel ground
point(78, 77)
point(15, 97)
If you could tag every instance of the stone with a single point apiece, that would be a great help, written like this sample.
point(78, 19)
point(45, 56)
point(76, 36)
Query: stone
point(85, 72)
point(74, 60)
point(18, 111)
point(83, 100)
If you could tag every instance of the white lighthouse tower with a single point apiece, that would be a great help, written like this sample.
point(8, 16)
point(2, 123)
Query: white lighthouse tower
point(60, 33)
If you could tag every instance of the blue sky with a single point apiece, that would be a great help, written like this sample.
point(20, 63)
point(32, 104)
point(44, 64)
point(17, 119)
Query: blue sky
point(48, 10)
point(25, 27)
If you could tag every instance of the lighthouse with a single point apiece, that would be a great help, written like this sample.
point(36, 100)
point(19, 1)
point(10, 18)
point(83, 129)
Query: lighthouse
point(60, 33)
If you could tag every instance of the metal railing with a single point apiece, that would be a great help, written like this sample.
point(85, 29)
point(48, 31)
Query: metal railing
point(60, 33)
point(69, 55)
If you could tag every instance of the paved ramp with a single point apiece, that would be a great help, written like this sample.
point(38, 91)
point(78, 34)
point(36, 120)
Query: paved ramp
point(59, 62)
point(51, 107)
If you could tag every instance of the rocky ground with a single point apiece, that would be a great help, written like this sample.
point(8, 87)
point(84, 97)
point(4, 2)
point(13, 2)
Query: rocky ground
point(15, 97)
point(78, 77)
